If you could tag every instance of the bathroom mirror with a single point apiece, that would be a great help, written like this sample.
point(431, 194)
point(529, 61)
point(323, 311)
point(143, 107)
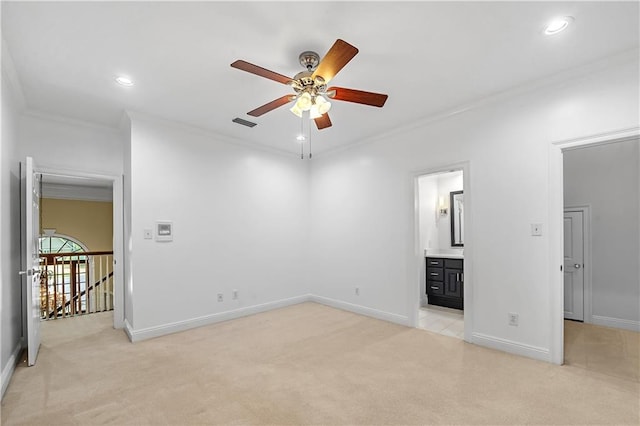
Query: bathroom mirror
point(456, 207)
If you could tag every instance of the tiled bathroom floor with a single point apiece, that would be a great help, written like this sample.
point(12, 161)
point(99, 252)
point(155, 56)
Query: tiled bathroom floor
point(449, 322)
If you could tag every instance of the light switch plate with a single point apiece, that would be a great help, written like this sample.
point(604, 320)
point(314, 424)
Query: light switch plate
point(536, 229)
point(148, 234)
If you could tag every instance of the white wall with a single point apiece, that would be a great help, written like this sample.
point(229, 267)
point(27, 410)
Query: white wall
point(362, 204)
point(10, 284)
point(428, 216)
point(605, 177)
point(435, 230)
point(240, 218)
point(447, 183)
point(58, 143)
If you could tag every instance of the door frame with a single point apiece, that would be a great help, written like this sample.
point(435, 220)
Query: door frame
point(416, 253)
point(586, 258)
point(118, 233)
point(556, 220)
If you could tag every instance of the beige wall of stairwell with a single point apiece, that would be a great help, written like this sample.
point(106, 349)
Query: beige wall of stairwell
point(90, 222)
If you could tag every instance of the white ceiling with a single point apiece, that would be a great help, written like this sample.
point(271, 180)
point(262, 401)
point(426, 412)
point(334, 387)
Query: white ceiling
point(428, 57)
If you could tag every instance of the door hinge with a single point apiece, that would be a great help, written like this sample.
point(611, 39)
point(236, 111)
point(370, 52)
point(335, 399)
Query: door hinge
point(560, 268)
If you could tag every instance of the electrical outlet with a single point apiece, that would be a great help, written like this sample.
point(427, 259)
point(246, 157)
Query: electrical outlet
point(235, 294)
point(513, 319)
point(220, 297)
point(357, 291)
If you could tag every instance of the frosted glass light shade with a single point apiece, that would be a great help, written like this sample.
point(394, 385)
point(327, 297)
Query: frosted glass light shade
point(297, 111)
point(314, 112)
point(304, 101)
point(323, 105)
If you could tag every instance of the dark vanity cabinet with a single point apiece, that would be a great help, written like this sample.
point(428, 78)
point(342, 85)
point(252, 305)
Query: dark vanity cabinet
point(445, 282)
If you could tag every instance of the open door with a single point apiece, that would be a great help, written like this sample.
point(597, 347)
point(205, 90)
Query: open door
point(31, 258)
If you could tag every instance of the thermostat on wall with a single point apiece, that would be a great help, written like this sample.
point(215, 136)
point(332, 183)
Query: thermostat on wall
point(164, 231)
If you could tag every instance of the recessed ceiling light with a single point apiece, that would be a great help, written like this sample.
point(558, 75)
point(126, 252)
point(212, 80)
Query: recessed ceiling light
point(557, 25)
point(300, 137)
point(124, 81)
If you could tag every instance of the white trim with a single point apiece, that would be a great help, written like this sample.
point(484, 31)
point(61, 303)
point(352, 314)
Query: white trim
point(7, 371)
point(210, 134)
point(599, 138)
point(415, 254)
point(362, 310)
point(616, 323)
point(556, 236)
point(510, 346)
point(586, 259)
point(170, 328)
point(630, 55)
point(118, 253)
point(128, 329)
point(71, 121)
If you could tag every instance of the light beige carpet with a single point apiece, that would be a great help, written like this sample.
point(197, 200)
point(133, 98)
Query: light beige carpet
point(304, 364)
point(606, 350)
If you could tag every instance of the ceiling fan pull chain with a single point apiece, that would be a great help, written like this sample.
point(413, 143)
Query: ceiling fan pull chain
point(301, 138)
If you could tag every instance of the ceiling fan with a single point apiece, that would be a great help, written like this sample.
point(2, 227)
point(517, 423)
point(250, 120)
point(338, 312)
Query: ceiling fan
point(310, 86)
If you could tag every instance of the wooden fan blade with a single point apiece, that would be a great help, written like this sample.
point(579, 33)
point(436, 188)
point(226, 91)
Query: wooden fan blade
point(336, 58)
point(323, 121)
point(357, 96)
point(271, 106)
point(262, 72)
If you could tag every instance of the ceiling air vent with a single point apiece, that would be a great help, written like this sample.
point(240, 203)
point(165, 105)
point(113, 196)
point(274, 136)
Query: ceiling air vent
point(244, 122)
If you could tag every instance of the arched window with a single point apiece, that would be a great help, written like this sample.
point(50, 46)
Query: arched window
point(64, 277)
point(60, 244)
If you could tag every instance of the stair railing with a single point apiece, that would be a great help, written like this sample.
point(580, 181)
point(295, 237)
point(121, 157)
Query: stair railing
point(75, 283)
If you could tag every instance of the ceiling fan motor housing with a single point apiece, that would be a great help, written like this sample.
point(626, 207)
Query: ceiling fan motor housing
point(304, 82)
point(309, 60)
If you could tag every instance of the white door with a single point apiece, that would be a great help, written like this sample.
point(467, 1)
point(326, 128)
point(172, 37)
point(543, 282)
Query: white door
point(574, 265)
point(31, 258)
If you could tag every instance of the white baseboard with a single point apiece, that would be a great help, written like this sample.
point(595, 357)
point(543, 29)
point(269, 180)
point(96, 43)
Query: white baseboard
point(7, 371)
point(510, 346)
point(128, 330)
point(161, 330)
point(362, 310)
point(615, 323)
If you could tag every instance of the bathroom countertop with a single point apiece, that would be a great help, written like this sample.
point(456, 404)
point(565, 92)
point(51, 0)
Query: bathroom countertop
point(427, 253)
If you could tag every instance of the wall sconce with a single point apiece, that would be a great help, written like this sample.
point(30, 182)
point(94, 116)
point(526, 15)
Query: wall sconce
point(442, 207)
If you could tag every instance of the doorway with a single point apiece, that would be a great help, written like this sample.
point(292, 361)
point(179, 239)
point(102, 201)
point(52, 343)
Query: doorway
point(601, 247)
point(76, 246)
point(441, 237)
point(86, 209)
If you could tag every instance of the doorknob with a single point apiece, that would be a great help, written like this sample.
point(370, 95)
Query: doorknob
point(29, 272)
point(577, 266)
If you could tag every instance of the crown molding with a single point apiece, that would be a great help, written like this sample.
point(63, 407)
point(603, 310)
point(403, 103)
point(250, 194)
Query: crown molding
point(62, 119)
point(573, 74)
point(189, 128)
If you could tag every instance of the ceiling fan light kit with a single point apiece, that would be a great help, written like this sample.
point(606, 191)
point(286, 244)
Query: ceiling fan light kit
point(310, 86)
